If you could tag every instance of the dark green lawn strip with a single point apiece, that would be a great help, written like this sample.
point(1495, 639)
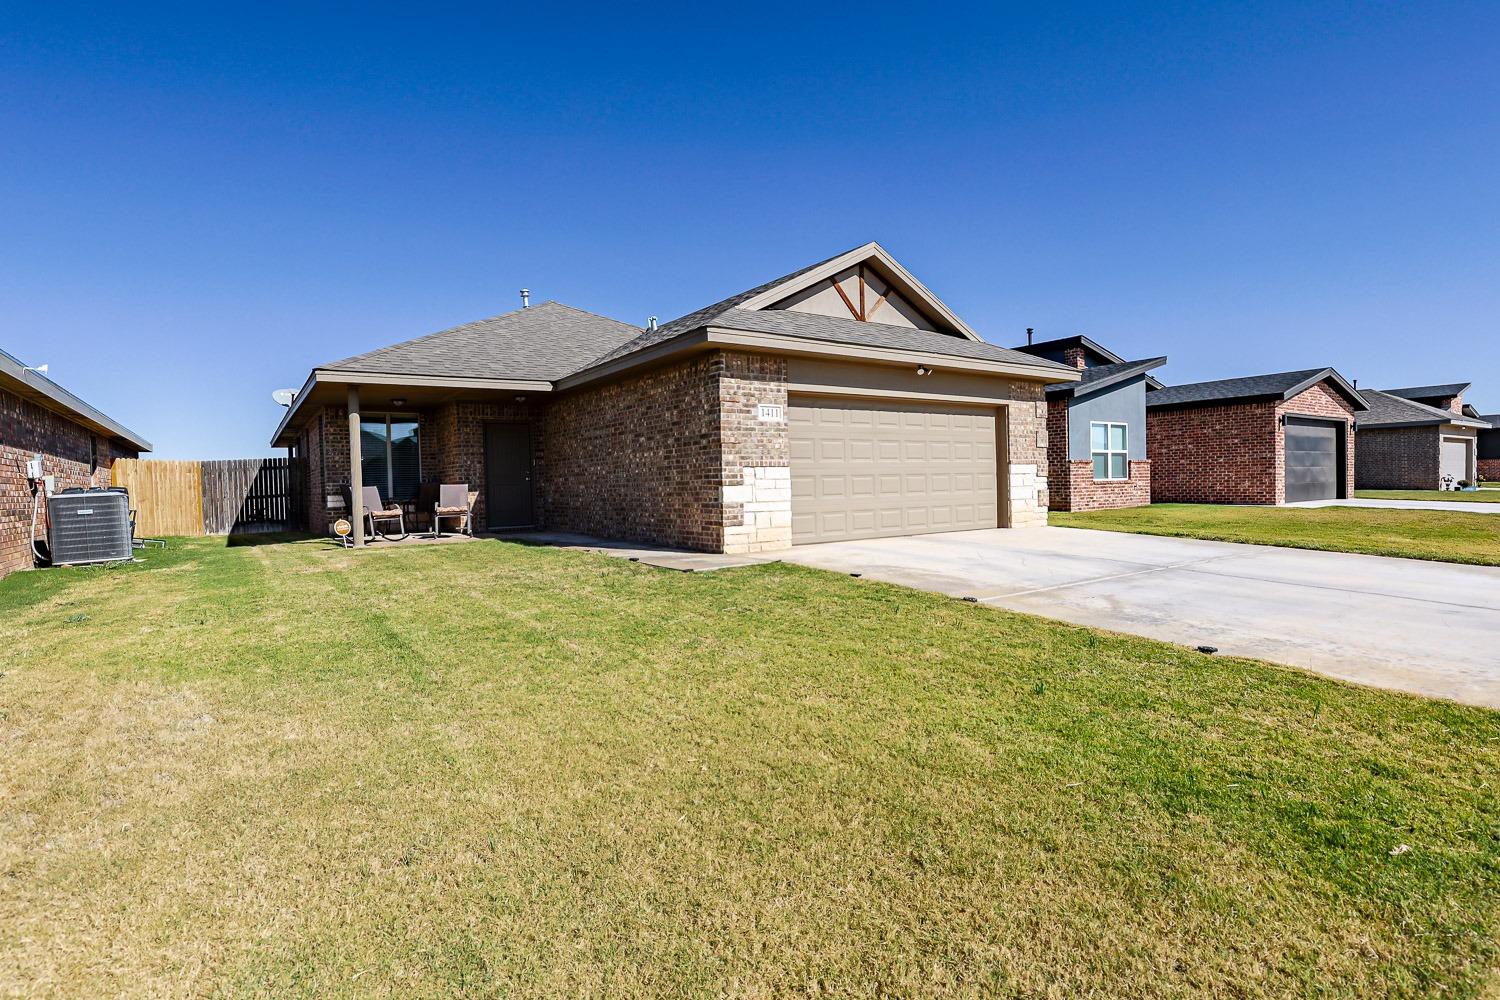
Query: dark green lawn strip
point(1446, 496)
point(1439, 535)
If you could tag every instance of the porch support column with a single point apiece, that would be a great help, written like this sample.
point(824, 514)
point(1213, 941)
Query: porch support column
point(356, 467)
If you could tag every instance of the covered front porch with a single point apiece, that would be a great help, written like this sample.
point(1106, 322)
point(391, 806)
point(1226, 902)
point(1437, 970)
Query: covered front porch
point(405, 439)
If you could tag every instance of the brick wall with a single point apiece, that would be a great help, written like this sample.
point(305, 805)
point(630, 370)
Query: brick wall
point(456, 455)
point(1075, 357)
point(1399, 458)
point(1233, 454)
point(27, 429)
point(638, 459)
point(1213, 454)
point(1489, 470)
point(755, 461)
point(1318, 401)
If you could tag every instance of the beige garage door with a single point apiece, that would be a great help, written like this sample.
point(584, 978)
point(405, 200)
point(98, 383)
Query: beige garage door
point(863, 469)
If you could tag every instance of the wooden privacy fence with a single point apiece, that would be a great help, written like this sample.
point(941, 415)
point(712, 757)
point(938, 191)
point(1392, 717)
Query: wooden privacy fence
point(207, 498)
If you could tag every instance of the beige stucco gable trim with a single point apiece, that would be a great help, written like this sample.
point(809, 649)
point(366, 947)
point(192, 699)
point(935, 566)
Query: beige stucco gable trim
point(900, 278)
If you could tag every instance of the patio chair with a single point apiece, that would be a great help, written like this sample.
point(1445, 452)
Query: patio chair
point(455, 502)
point(377, 514)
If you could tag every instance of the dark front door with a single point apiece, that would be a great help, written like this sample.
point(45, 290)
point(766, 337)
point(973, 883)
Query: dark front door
point(1312, 460)
point(507, 475)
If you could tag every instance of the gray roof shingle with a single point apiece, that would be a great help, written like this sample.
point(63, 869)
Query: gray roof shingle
point(1281, 385)
point(1429, 391)
point(543, 343)
point(1386, 409)
point(1101, 377)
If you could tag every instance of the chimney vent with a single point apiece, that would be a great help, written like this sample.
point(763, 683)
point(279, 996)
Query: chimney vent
point(1029, 332)
point(651, 323)
point(525, 298)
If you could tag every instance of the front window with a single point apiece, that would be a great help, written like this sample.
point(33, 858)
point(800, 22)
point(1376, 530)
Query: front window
point(391, 455)
point(1111, 451)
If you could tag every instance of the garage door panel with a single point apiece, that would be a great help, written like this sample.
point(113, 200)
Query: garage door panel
point(886, 468)
point(1455, 458)
point(1311, 461)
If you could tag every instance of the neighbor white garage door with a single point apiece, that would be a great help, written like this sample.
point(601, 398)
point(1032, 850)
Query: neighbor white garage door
point(863, 469)
point(1456, 458)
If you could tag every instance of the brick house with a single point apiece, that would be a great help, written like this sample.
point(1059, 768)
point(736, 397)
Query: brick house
point(1096, 427)
point(1489, 449)
point(841, 401)
point(1264, 439)
point(1418, 438)
point(77, 443)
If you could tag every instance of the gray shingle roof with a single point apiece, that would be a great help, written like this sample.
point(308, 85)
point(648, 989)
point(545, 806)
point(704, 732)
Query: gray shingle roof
point(703, 317)
point(1281, 385)
point(1386, 409)
point(1101, 377)
point(1429, 391)
point(543, 343)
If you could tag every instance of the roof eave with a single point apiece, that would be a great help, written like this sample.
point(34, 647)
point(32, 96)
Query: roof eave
point(716, 336)
point(324, 376)
point(49, 395)
point(1084, 389)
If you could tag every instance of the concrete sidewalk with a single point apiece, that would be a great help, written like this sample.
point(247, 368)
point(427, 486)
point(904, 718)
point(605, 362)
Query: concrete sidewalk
point(1424, 627)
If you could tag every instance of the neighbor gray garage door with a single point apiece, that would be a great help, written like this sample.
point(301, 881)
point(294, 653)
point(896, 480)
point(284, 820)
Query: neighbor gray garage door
point(863, 469)
point(1312, 460)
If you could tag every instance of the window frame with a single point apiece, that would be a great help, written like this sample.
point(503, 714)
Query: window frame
point(388, 488)
point(1109, 452)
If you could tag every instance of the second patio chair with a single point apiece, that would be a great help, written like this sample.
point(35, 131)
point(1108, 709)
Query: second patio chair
point(456, 503)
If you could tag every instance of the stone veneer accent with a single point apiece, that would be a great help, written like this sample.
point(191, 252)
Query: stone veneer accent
point(676, 455)
point(1235, 453)
point(27, 429)
point(1026, 441)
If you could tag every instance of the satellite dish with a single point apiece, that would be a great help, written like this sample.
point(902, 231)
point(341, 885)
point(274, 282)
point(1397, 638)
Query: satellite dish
point(284, 397)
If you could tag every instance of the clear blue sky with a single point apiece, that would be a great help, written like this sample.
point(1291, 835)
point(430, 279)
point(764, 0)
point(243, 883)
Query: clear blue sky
point(197, 207)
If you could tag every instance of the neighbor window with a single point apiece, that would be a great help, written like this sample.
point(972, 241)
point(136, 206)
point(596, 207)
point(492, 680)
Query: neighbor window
point(391, 456)
point(1110, 447)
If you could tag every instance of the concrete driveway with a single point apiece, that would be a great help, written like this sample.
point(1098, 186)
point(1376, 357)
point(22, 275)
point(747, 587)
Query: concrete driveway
point(1425, 627)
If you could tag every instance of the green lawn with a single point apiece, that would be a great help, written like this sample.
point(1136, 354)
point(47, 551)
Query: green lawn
point(1444, 536)
point(1450, 496)
point(486, 769)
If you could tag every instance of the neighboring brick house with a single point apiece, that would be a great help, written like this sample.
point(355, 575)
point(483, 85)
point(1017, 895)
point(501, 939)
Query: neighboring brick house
point(1264, 439)
point(77, 443)
point(841, 401)
point(1419, 438)
point(1096, 427)
point(1489, 449)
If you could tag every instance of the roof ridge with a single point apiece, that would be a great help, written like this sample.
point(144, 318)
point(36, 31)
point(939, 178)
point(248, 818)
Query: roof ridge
point(1241, 378)
point(366, 355)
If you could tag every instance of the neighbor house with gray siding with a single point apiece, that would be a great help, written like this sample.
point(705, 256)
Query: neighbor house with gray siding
point(1096, 427)
point(841, 401)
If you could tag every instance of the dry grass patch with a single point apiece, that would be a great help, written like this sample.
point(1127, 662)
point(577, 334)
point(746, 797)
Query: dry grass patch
point(489, 769)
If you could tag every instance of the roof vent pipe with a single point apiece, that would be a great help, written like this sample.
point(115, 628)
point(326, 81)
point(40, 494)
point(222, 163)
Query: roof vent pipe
point(651, 323)
point(1029, 332)
point(525, 298)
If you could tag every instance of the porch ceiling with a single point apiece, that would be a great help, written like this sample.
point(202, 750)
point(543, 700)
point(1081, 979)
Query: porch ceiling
point(381, 392)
